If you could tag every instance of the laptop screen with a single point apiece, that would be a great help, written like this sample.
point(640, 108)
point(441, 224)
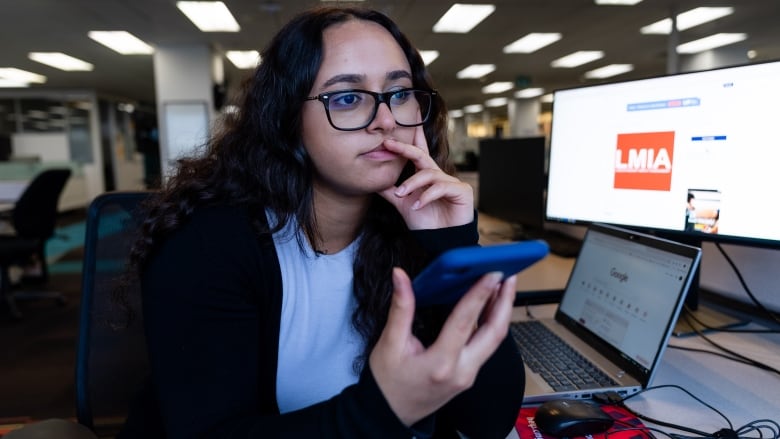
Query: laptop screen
point(627, 292)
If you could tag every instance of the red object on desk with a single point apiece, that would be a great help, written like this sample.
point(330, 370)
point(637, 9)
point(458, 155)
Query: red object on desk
point(627, 426)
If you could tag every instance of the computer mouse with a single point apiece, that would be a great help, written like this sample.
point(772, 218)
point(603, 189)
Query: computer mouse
point(571, 417)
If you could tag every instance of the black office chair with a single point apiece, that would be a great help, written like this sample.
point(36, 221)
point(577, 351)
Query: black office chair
point(111, 360)
point(34, 218)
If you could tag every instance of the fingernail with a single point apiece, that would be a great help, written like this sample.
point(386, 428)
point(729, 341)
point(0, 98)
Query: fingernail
point(416, 205)
point(495, 276)
point(401, 190)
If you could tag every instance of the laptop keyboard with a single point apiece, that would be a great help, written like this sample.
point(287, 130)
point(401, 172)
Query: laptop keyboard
point(562, 367)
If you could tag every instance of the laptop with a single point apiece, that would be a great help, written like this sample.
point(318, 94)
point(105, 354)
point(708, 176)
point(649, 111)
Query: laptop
point(617, 312)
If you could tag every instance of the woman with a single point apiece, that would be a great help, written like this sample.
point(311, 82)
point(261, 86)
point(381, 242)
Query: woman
point(275, 267)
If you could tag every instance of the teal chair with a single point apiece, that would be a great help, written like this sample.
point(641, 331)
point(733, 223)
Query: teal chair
point(111, 361)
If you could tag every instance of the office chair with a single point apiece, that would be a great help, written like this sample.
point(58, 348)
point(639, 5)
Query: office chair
point(34, 218)
point(111, 360)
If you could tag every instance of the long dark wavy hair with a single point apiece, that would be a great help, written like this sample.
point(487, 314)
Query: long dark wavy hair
point(256, 158)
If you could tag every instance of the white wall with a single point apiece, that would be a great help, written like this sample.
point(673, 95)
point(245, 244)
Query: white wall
point(183, 83)
point(48, 147)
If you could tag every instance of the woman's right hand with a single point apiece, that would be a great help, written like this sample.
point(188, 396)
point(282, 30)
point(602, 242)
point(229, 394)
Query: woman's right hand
point(416, 381)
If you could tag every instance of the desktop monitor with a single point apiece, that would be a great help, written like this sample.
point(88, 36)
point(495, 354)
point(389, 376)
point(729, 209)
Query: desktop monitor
point(512, 180)
point(692, 156)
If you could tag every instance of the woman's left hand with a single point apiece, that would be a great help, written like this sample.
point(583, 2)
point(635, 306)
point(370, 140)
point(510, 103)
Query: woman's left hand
point(429, 199)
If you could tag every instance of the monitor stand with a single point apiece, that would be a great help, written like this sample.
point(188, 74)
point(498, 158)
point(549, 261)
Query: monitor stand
point(696, 318)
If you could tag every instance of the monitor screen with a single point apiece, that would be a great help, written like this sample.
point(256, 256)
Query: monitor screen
point(692, 154)
point(512, 180)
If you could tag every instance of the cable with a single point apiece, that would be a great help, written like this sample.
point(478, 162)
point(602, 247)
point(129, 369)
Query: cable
point(770, 314)
point(728, 351)
point(718, 354)
point(528, 312)
point(674, 386)
point(705, 351)
point(615, 399)
point(691, 314)
point(758, 426)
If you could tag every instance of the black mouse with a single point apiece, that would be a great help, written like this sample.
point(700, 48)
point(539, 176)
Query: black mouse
point(571, 417)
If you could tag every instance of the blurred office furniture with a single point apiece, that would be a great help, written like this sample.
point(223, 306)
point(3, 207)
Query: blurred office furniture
point(512, 187)
point(17, 173)
point(111, 354)
point(33, 218)
point(5, 148)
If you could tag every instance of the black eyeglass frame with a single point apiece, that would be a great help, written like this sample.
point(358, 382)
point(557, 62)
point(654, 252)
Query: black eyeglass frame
point(379, 98)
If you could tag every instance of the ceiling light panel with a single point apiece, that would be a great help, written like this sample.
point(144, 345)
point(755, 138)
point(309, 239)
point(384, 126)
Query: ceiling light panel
point(471, 109)
point(429, 56)
point(209, 16)
point(532, 42)
point(618, 2)
point(244, 59)
point(461, 18)
point(19, 76)
point(496, 102)
point(497, 87)
point(61, 61)
point(122, 42)
point(10, 83)
point(577, 59)
point(476, 71)
point(609, 71)
point(527, 93)
point(711, 42)
point(687, 20)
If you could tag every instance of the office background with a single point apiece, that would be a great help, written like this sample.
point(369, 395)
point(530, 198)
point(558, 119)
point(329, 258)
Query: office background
point(113, 124)
point(126, 117)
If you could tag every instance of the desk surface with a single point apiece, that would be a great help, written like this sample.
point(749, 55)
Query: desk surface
point(549, 274)
point(741, 392)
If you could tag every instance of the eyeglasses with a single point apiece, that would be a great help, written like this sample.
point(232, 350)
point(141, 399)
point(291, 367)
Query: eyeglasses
point(351, 110)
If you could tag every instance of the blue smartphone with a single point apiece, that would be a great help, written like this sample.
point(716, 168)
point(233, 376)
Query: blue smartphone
point(454, 272)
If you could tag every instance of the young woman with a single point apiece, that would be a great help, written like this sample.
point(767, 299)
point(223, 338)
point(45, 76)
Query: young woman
point(276, 266)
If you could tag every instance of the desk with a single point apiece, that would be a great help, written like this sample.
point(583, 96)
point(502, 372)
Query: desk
point(742, 393)
point(15, 177)
point(11, 190)
point(549, 274)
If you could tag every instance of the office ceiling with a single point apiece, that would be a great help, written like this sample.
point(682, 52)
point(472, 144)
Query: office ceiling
point(58, 25)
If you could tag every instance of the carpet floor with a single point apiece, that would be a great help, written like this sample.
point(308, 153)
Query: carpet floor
point(38, 351)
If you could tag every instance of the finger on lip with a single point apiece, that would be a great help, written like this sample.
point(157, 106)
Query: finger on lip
point(391, 142)
point(400, 147)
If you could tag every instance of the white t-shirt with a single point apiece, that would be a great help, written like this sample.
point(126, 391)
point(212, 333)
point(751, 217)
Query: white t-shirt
point(317, 343)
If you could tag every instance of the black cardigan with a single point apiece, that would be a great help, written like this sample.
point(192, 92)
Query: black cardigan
point(212, 299)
